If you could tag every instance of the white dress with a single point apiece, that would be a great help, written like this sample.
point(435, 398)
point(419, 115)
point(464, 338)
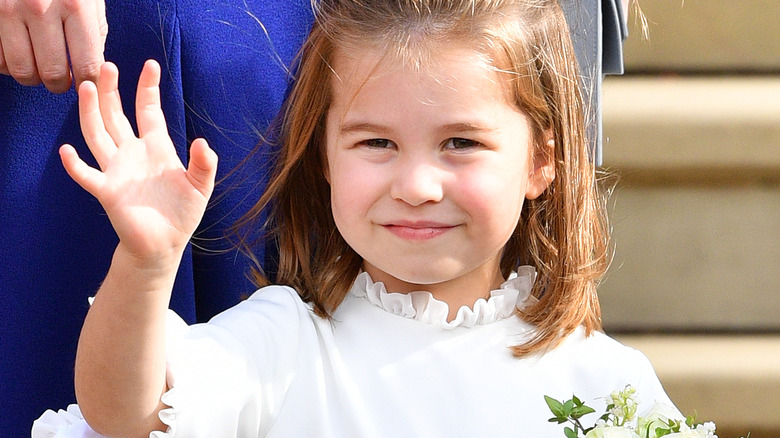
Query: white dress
point(386, 365)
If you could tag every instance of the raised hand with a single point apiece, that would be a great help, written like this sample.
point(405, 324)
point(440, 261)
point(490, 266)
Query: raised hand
point(153, 202)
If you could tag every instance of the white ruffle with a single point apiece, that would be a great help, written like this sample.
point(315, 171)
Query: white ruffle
point(63, 424)
point(422, 306)
point(71, 424)
point(175, 329)
point(167, 415)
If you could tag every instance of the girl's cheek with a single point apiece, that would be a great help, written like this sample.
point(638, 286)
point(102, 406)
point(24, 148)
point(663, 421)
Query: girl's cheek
point(488, 181)
point(479, 192)
point(353, 183)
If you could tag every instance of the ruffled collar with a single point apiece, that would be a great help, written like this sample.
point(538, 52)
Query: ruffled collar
point(422, 306)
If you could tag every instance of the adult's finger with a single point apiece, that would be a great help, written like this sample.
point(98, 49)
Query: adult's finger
point(102, 22)
point(3, 67)
point(17, 51)
point(85, 29)
point(51, 57)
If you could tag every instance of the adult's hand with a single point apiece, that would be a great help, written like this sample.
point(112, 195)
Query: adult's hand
point(37, 38)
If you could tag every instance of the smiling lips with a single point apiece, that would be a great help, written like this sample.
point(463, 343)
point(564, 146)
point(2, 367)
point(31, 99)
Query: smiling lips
point(422, 230)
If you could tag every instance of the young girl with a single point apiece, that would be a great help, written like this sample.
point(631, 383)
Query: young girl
point(441, 239)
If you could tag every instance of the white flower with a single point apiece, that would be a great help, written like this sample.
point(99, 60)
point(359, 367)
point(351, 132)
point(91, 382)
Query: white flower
point(620, 420)
point(624, 405)
point(690, 433)
point(602, 431)
point(708, 428)
point(657, 417)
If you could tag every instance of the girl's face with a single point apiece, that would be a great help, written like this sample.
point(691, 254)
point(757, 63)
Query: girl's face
point(428, 169)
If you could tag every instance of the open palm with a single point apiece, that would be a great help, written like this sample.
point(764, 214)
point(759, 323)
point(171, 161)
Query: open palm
point(153, 202)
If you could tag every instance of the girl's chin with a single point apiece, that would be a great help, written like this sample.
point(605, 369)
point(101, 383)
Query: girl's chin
point(411, 281)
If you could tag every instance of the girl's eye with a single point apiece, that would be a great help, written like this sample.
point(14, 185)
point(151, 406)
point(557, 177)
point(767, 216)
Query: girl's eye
point(377, 143)
point(461, 143)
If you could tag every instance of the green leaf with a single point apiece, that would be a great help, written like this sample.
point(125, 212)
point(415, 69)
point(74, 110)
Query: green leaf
point(555, 406)
point(570, 433)
point(579, 411)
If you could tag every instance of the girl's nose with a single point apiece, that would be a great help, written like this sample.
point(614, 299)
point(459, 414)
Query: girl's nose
point(417, 183)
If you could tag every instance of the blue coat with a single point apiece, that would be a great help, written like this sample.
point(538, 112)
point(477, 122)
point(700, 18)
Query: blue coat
point(224, 78)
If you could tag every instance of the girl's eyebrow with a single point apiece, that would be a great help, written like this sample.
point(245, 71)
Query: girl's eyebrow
point(379, 129)
point(363, 127)
point(466, 127)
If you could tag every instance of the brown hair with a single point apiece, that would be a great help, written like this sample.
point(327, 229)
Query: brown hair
point(563, 233)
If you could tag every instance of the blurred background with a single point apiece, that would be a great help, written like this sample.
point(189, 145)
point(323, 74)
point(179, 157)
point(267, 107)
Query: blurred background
point(693, 132)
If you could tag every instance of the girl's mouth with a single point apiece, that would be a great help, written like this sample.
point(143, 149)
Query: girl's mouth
point(423, 230)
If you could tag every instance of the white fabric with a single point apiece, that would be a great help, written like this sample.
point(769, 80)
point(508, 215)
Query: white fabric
point(387, 365)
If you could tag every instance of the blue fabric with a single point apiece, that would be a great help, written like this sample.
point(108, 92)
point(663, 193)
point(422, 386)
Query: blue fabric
point(223, 79)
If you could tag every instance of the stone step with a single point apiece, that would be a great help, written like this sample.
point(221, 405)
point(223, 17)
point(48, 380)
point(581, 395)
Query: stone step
point(653, 122)
point(696, 214)
point(732, 380)
point(705, 36)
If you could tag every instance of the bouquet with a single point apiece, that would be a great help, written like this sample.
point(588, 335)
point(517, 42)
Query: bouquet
point(621, 419)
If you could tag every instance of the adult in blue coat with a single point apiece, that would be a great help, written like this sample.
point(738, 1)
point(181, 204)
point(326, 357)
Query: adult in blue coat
point(224, 77)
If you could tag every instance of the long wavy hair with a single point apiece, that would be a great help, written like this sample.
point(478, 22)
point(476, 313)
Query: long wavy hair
point(563, 233)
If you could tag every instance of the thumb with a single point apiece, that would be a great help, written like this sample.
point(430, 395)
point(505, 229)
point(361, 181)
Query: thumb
point(202, 168)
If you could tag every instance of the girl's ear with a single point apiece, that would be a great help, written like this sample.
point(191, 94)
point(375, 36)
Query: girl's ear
point(542, 171)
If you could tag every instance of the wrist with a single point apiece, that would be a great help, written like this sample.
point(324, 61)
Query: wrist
point(139, 276)
point(159, 262)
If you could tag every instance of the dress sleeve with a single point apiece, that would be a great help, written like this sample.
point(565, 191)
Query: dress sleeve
point(229, 377)
point(602, 365)
point(649, 387)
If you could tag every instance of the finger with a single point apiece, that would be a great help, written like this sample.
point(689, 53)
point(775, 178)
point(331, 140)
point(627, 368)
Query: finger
point(99, 141)
point(202, 168)
point(51, 57)
point(88, 178)
point(85, 29)
point(3, 66)
point(18, 52)
point(147, 101)
point(102, 23)
point(110, 102)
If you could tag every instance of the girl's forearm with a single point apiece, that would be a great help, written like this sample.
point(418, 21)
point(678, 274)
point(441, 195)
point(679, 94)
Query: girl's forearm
point(120, 363)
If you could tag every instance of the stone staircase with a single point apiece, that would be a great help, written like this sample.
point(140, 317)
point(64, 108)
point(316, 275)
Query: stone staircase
point(693, 133)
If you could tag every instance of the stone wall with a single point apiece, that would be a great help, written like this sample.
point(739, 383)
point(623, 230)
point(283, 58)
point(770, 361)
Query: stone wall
point(693, 132)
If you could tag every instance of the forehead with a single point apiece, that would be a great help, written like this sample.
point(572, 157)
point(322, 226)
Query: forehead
point(360, 72)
